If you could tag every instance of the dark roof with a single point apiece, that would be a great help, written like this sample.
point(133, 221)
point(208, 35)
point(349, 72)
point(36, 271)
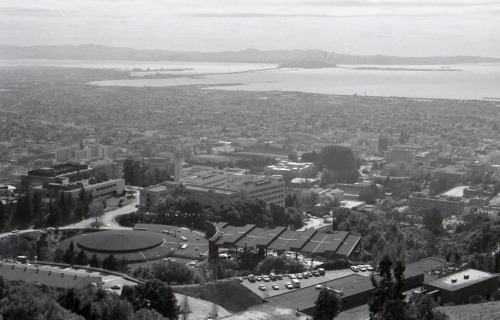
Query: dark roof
point(457, 281)
point(292, 240)
point(304, 298)
point(309, 241)
point(118, 241)
point(423, 266)
point(58, 279)
point(348, 245)
point(325, 243)
point(230, 235)
point(259, 237)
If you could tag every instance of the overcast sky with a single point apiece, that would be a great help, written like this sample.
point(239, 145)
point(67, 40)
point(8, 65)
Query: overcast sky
point(389, 27)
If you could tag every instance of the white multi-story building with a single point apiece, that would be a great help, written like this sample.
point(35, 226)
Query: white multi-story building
point(210, 178)
point(269, 189)
point(295, 169)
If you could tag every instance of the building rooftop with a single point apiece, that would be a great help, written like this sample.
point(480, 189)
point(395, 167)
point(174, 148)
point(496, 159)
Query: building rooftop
point(158, 188)
point(455, 192)
point(325, 243)
point(304, 298)
point(461, 279)
point(293, 240)
point(54, 278)
point(423, 266)
point(210, 189)
point(259, 237)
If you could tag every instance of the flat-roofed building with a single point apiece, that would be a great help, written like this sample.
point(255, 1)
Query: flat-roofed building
point(459, 287)
point(445, 204)
point(210, 178)
point(356, 290)
point(151, 195)
point(452, 173)
point(269, 189)
point(400, 153)
point(208, 196)
point(54, 278)
point(354, 188)
point(73, 172)
point(294, 169)
point(100, 191)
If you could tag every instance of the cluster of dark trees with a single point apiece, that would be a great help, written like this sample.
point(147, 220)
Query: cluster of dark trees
point(137, 173)
point(181, 211)
point(72, 257)
point(413, 236)
point(255, 164)
point(337, 163)
point(388, 301)
point(29, 210)
point(281, 265)
point(26, 301)
point(398, 188)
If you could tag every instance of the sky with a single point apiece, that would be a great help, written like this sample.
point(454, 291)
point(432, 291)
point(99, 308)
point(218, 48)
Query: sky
point(362, 27)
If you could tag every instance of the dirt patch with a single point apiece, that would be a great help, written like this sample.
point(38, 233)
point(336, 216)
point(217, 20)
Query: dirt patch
point(228, 294)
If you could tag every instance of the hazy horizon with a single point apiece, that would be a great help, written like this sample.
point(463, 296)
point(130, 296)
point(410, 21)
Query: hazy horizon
point(359, 27)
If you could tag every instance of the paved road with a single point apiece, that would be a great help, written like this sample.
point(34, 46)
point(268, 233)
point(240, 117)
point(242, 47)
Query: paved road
point(108, 220)
point(6, 234)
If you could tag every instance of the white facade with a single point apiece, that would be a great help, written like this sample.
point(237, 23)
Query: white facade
point(269, 189)
point(209, 178)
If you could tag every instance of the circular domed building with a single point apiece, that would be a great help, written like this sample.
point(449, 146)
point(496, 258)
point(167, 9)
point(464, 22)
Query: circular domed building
point(130, 245)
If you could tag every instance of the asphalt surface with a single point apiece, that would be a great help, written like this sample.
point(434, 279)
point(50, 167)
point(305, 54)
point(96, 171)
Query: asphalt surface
point(312, 281)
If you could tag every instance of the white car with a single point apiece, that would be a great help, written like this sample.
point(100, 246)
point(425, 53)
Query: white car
point(276, 287)
point(354, 268)
point(262, 287)
point(266, 278)
point(289, 285)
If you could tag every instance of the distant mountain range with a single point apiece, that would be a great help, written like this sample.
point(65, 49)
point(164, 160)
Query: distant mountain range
point(287, 58)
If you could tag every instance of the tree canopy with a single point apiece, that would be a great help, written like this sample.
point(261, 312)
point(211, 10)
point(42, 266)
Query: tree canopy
point(327, 305)
point(388, 301)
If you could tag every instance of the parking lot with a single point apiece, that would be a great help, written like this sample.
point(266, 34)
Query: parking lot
point(311, 281)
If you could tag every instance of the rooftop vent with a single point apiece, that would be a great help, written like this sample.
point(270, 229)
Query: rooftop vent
point(453, 280)
point(466, 276)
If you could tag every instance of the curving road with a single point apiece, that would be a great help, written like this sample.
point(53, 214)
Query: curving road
point(108, 220)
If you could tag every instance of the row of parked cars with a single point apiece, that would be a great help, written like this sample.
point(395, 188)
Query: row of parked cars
point(362, 268)
point(294, 279)
point(274, 277)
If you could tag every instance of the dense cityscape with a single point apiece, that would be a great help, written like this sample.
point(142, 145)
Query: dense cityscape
point(186, 202)
point(249, 160)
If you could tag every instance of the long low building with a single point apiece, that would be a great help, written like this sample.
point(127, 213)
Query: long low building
point(445, 204)
point(53, 278)
point(339, 244)
point(355, 289)
point(459, 287)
